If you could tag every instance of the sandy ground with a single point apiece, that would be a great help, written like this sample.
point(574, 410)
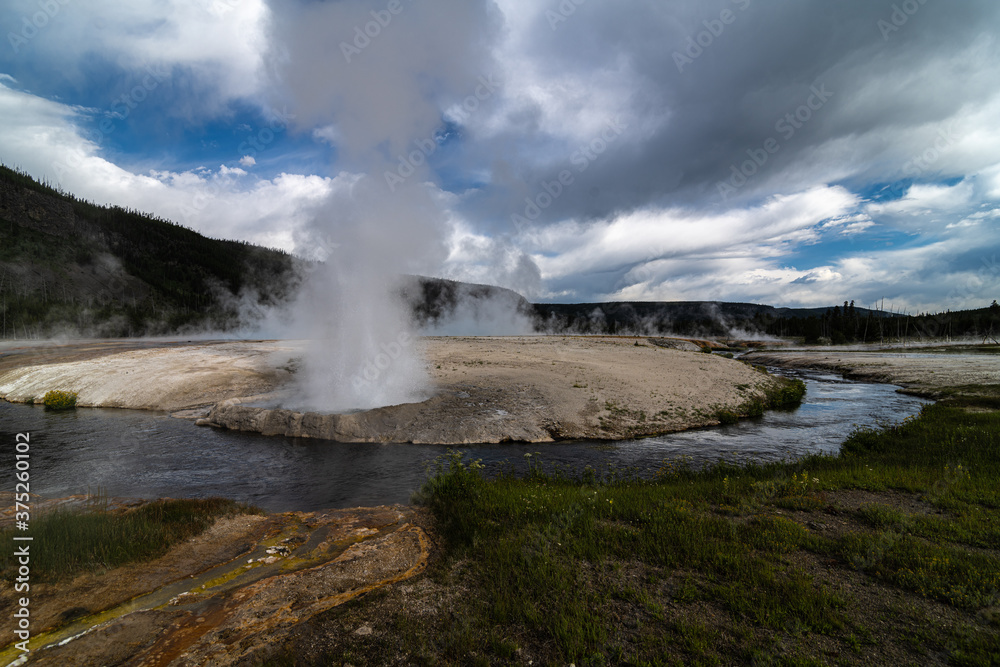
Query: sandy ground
point(923, 373)
point(486, 389)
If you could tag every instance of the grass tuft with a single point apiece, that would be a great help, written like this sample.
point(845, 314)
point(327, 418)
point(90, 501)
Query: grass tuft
point(73, 541)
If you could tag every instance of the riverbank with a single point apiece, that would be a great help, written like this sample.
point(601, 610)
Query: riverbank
point(485, 389)
point(938, 372)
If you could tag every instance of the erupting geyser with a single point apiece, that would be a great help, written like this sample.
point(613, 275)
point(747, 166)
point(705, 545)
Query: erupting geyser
point(362, 349)
point(374, 108)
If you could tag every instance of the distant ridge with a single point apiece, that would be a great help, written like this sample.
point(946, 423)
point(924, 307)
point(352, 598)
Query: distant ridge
point(71, 267)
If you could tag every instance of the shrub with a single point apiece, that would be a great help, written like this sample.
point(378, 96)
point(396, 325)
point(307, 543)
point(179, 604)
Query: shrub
point(727, 417)
point(790, 393)
point(60, 400)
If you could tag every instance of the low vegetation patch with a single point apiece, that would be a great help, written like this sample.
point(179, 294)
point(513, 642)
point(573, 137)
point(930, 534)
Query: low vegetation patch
point(59, 400)
point(886, 553)
point(68, 542)
point(783, 394)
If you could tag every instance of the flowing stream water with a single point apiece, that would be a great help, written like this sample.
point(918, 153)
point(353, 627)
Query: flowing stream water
point(133, 453)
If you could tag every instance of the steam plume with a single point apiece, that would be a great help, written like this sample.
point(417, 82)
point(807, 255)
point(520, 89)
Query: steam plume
point(376, 102)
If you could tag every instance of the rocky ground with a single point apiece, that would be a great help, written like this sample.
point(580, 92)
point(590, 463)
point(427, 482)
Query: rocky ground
point(241, 586)
point(167, 375)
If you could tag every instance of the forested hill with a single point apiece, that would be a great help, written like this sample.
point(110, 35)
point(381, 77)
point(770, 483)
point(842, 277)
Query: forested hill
point(71, 267)
point(67, 265)
point(717, 319)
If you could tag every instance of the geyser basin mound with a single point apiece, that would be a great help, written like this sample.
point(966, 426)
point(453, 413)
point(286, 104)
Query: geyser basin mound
point(534, 389)
point(488, 389)
point(147, 374)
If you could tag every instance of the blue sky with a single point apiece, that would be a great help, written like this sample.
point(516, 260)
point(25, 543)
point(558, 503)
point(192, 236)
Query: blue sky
point(794, 153)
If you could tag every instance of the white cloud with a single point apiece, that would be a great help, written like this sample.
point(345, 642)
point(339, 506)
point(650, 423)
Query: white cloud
point(922, 199)
point(477, 258)
point(248, 161)
point(933, 208)
point(574, 247)
point(219, 43)
point(40, 136)
point(923, 278)
point(849, 225)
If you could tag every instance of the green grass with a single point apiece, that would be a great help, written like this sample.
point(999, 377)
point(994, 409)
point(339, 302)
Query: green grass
point(564, 561)
point(67, 542)
point(783, 394)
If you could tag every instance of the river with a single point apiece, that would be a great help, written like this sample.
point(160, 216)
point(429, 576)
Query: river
point(133, 453)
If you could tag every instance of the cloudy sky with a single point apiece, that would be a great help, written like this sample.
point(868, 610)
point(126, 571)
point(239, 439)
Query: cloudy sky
point(792, 152)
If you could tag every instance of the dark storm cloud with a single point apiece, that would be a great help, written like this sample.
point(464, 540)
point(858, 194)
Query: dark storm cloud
point(718, 79)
